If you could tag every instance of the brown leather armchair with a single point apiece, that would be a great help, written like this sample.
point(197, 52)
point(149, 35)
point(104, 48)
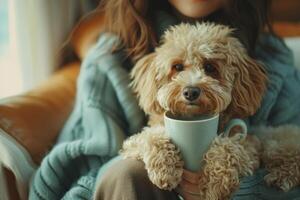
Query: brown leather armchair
point(31, 121)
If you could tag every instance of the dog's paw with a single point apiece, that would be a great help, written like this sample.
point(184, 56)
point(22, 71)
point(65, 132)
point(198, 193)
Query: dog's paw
point(132, 147)
point(281, 156)
point(283, 167)
point(164, 164)
point(161, 157)
point(284, 178)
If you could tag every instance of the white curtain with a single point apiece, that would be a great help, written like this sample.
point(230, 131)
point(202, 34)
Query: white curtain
point(41, 27)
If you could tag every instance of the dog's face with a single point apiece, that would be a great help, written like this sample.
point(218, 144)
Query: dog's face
point(199, 69)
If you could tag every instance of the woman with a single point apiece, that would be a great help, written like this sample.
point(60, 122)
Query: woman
point(106, 111)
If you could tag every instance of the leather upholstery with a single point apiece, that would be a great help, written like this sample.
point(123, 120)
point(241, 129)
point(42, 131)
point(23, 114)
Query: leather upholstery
point(35, 118)
point(86, 32)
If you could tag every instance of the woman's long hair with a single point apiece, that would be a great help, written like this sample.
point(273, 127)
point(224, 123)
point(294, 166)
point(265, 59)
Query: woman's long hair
point(131, 21)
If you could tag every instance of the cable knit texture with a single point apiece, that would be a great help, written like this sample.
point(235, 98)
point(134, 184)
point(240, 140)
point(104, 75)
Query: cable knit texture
point(105, 113)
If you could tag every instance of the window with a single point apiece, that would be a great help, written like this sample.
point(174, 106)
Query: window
point(4, 26)
point(10, 80)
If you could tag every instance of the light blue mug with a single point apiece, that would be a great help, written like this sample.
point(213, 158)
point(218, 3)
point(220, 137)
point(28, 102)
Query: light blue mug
point(194, 136)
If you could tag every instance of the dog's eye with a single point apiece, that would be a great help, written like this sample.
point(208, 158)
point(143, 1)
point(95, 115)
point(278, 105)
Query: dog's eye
point(178, 67)
point(209, 68)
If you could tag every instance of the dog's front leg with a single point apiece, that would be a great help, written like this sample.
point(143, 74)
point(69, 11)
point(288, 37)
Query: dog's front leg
point(281, 155)
point(227, 159)
point(161, 157)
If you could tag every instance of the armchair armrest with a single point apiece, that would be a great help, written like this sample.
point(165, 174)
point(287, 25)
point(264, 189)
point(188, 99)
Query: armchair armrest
point(29, 125)
point(35, 118)
point(16, 168)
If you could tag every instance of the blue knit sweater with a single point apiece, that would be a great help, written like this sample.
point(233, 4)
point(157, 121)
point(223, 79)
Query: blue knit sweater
point(106, 112)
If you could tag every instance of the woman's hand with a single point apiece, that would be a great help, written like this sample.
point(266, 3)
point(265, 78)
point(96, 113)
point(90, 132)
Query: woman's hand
point(188, 187)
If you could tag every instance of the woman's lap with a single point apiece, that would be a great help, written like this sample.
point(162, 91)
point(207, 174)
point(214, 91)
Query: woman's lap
point(128, 179)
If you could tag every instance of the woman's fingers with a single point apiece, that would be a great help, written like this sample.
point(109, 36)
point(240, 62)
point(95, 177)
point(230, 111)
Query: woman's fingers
point(191, 177)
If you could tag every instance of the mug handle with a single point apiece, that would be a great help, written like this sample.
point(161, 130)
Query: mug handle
point(236, 122)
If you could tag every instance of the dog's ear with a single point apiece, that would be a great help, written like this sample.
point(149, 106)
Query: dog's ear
point(145, 84)
point(249, 85)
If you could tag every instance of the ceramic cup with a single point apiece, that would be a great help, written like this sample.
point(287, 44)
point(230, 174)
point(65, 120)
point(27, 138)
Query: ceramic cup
point(193, 136)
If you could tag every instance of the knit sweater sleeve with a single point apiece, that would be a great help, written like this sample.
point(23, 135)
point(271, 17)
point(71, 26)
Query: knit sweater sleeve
point(105, 112)
point(280, 104)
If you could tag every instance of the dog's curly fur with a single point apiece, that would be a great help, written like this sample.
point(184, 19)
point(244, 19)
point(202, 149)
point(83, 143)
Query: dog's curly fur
point(208, 57)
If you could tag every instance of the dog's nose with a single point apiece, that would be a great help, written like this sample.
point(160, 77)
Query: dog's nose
point(191, 93)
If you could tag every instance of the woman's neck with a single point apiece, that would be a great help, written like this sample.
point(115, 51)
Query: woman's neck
point(212, 17)
point(184, 18)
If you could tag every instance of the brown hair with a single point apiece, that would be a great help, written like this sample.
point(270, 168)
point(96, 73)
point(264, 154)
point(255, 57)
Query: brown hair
point(131, 21)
